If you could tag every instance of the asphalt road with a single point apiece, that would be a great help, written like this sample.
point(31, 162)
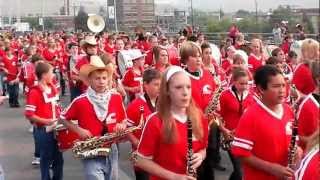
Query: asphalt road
point(16, 151)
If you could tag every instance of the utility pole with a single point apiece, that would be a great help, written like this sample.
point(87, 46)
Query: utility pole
point(115, 15)
point(256, 6)
point(192, 23)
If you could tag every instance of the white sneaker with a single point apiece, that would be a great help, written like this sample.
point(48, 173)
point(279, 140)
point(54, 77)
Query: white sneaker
point(30, 130)
point(35, 161)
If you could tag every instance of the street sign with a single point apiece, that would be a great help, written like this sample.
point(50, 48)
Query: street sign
point(111, 12)
point(41, 21)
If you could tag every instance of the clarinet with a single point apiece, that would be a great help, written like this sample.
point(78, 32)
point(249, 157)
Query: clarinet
point(190, 171)
point(294, 136)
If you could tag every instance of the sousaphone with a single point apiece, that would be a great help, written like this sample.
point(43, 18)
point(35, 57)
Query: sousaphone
point(96, 23)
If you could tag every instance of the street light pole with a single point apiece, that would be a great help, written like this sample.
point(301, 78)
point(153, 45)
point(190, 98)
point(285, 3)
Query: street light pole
point(115, 15)
point(192, 23)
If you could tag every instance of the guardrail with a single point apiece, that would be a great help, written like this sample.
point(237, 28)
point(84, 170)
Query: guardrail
point(266, 37)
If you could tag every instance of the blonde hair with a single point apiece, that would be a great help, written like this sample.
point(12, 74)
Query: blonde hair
point(188, 49)
point(310, 49)
point(169, 129)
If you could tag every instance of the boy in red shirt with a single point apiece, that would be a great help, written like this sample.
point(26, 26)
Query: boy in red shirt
point(11, 68)
point(203, 84)
point(99, 111)
point(151, 84)
point(132, 79)
point(263, 133)
point(42, 110)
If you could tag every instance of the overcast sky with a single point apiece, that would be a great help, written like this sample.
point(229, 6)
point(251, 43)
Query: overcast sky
point(234, 5)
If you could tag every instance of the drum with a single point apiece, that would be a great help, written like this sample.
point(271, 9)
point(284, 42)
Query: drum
point(65, 137)
point(124, 61)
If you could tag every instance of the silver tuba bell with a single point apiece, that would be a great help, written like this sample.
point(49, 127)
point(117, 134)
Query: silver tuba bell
point(95, 23)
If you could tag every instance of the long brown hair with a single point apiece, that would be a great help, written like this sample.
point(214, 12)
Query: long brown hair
point(169, 130)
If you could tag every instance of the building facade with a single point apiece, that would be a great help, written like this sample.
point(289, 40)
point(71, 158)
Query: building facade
point(133, 13)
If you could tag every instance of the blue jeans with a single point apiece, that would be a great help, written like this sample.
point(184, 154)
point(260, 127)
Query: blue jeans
point(36, 143)
point(102, 168)
point(49, 155)
point(13, 90)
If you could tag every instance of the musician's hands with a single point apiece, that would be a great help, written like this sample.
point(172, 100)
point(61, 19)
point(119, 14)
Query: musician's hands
point(120, 127)
point(298, 155)
point(196, 161)
point(281, 171)
point(136, 89)
point(84, 133)
point(49, 122)
point(182, 177)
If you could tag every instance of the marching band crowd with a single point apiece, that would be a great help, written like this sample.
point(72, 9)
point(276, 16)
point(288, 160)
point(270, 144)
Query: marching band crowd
point(248, 102)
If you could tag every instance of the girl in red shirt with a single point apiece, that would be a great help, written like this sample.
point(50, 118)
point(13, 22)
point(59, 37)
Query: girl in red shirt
point(166, 131)
point(233, 102)
point(161, 58)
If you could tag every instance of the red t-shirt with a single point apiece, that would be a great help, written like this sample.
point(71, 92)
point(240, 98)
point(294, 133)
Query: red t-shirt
point(309, 166)
point(203, 88)
point(84, 60)
point(172, 157)
point(308, 116)
point(132, 79)
point(11, 67)
point(81, 109)
point(133, 113)
point(28, 75)
point(50, 56)
point(149, 58)
point(230, 107)
point(109, 49)
point(254, 63)
point(39, 103)
point(264, 134)
point(303, 80)
point(174, 58)
point(226, 66)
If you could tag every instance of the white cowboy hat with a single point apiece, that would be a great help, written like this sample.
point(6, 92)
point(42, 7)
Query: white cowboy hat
point(95, 64)
point(135, 54)
point(90, 40)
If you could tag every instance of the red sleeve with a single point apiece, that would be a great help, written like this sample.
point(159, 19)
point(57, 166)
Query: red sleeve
point(303, 80)
point(32, 103)
point(70, 113)
point(128, 78)
point(308, 120)
point(151, 137)
point(244, 135)
point(223, 103)
point(133, 113)
point(121, 113)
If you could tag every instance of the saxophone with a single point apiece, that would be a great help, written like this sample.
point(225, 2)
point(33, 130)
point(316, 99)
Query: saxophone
point(210, 112)
point(212, 107)
point(101, 146)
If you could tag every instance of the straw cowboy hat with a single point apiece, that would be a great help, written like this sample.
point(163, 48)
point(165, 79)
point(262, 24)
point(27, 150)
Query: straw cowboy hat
point(95, 64)
point(88, 40)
